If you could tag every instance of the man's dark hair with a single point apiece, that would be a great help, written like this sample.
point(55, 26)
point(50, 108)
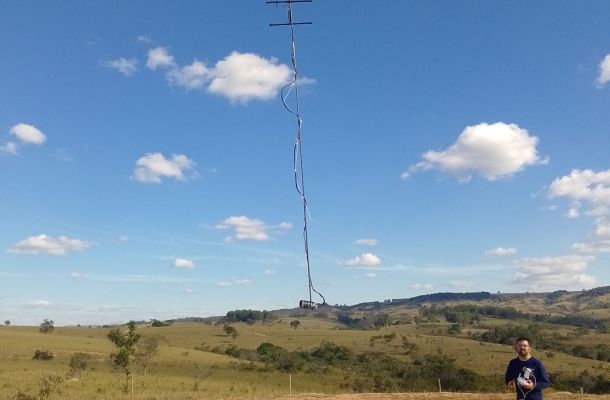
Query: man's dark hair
point(522, 338)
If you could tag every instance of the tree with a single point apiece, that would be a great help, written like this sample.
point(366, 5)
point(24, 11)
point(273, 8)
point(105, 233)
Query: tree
point(230, 331)
point(46, 326)
point(126, 345)
point(146, 349)
point(381, 320)
point(7, 322)
point(295, 324)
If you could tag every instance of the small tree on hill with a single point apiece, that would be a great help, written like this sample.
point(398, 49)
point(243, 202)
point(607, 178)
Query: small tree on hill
point(230, 331)
point(7, 322)
point(126, 346)
point(381, 320)
point(46, 326)
point(146, 349)
point(295, 324)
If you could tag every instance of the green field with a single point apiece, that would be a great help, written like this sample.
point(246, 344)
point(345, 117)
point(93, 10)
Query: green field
point(179, 371)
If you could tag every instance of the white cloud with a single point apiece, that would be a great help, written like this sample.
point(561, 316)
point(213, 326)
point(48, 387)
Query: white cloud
point(366, 259)
point(159, 58)
point(550, 272)
point(127, 67)
point(419, 286)
point(584, 186)
point(461, 284)
point(269, 272)
point(491, 150)
point(501, 251)
point(188, 290)
point(604, 71)
point(371, 275)
point(46, 244)
point(367, 242)
point(246, 228)
point(10, 148)
point(184, 263)
point(234, 282)
point(246, 76)
point(144, 39)
point(39, 304)
point(76, 275)
point(194, 76)
point(598, 241)
point(283, 226)
point(240, 77)
point(151, 167)
point(28, 134)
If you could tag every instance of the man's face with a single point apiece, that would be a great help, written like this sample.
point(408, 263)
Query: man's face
point(523, 348)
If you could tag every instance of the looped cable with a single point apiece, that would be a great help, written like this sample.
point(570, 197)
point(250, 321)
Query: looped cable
point(297, 152)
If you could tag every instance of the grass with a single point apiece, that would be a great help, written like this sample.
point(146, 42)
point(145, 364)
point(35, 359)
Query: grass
point(181, 372)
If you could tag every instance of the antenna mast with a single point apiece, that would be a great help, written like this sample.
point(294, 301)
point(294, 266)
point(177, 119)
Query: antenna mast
point(297, 153)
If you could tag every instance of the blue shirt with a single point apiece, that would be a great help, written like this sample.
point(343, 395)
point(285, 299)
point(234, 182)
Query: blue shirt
point(539, 377)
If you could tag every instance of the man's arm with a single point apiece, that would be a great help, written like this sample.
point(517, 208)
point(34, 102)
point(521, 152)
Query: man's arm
point(542, 381)
point(510, 375)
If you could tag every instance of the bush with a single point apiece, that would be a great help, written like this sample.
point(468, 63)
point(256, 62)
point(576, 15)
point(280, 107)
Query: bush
point(78, 363)
point(43, 355)
point(49, 384)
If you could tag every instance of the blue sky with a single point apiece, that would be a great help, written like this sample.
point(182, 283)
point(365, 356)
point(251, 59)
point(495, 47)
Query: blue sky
point(146, 157)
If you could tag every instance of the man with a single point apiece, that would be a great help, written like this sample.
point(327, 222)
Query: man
point(526, 374)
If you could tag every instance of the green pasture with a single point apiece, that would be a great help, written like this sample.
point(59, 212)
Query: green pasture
point(180, 371)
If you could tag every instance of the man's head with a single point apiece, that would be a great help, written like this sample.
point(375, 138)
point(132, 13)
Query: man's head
point(522, 347)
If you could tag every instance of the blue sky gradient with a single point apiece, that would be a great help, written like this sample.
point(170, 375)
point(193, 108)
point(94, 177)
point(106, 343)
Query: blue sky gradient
point(146, 158)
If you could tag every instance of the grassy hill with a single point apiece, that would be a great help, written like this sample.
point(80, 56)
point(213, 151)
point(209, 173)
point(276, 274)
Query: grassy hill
point(330, 350)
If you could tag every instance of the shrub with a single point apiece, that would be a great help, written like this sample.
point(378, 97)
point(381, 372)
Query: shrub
point(78, 363)
point(43, 355)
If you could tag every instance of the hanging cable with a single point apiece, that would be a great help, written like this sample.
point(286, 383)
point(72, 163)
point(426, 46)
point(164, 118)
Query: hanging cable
point(297, 152)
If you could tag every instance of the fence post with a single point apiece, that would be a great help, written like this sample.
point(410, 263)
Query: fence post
point(439, 386)
point(290, 383)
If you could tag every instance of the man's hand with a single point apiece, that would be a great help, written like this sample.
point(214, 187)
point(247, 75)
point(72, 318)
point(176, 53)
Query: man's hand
point(511, 384)
point(528, 384)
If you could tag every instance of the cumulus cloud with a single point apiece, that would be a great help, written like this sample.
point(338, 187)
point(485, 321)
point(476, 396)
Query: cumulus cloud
point(549, 272)
point(39, 304)
point(151, 167)
point(245, 228)
point(501, 251)
point(598, 241)
point(184, 263)
point(367, 242)
point(159, 57)
point(234, 282)
point(604, 72)
point(76, 275)
point(461, 284)
point(366, 259)
point(245, 76)
point(491, 150)
point(10, 148)
point(420, 286)
point(127, 67)
point(240, 77)
point(584, 186)
point(193, 76)
point(370, 275)
point(28, 134)
point(43, 244)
